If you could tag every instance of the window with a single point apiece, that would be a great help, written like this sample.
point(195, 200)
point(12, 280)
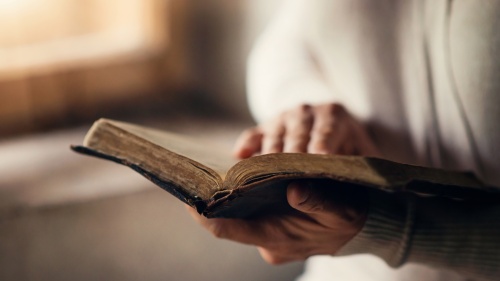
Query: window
point(51, 34)
point(62, 60)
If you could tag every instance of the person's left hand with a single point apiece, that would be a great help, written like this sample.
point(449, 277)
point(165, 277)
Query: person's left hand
point(323, 224)
point(320, 129)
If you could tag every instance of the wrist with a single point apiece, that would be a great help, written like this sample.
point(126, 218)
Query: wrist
point(387, 229)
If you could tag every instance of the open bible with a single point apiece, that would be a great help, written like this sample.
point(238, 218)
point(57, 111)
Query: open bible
point(217, 185)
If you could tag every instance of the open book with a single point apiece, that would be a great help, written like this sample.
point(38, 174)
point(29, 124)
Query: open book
point(217, 185)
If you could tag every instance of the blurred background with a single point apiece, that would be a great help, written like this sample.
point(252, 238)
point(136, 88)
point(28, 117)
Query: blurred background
point(176, 65)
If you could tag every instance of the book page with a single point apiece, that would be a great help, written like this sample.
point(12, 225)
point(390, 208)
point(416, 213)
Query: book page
point(208, 154)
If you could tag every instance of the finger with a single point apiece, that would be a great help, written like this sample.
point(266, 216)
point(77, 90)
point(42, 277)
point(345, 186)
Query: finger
point(302, 197)
point(348, 147)
point(342, 207)
point(243, 231)
point(272, 257)
point(298, 125)
point(328, 132)
point(248, 143)
point(272, 139)
point(306, 199)
point(364, 143)
point(328, 140)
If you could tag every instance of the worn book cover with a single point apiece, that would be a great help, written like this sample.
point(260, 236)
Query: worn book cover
point(209, 179)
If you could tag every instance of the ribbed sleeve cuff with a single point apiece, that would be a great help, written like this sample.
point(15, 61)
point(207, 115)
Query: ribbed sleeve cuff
point(387, 231)
point(460, 236)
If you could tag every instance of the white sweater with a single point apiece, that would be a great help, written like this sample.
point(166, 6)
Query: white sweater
point(424, 75)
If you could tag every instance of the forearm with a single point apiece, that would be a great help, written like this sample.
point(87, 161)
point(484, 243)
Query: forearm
point(440, 233)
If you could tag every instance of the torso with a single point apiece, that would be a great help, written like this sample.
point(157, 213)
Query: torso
point(424, 76)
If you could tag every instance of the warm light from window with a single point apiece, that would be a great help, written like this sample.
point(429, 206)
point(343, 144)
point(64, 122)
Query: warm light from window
point(49, 33)
point(12, 4)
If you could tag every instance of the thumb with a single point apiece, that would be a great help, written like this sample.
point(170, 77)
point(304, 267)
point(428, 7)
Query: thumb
point(322, 205)
point(304, 198)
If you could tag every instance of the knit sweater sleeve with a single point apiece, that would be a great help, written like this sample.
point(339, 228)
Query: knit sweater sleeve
point(462, 237)
point(282, 72)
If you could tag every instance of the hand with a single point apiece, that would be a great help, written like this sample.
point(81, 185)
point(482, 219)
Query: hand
point(321, 129)
point(327, 219)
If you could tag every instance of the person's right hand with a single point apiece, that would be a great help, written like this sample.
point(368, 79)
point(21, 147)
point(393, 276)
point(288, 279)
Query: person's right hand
point(326, 220)
point(327, 217)
point(321, 129)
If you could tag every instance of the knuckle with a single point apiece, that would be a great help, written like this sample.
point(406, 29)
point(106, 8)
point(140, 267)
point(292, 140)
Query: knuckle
point(320, 147)
point(300, 114)
point(316, 203)
point(275, 136)
point(321, 141)
point(325, 132)
point(305, 120)
point(273, 131)
point(271, 257)
point(218, 230)
point(250, 133)
point(298, 136)
point(303, 109)
point(314, 207)
point(273, 142)
point(275, 260)
point(335, 109)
